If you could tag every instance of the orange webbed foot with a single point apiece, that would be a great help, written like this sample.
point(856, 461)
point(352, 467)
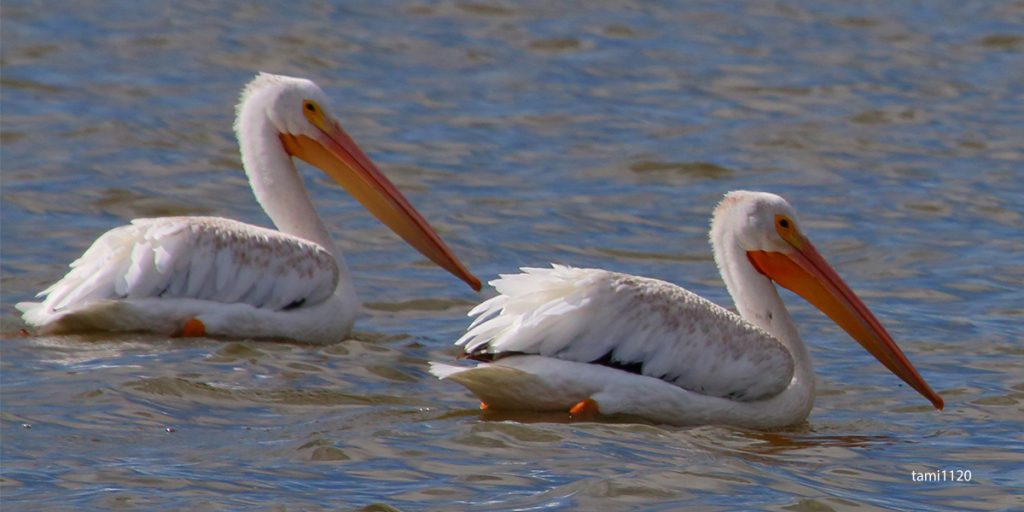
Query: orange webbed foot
point(584, 409)
point(193, 328)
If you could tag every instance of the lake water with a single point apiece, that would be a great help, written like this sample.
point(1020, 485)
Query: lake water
point(587, 133)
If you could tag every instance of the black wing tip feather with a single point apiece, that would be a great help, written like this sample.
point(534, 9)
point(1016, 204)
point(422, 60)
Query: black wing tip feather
point(610, 361)
point(481, 354)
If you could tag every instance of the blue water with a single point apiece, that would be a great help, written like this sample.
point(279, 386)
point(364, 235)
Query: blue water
point(526, 132)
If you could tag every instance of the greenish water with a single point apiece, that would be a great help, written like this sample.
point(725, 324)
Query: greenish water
point(592, 134)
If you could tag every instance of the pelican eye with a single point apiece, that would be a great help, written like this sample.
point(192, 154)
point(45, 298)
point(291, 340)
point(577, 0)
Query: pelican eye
point(314, 114)
point(785, 226)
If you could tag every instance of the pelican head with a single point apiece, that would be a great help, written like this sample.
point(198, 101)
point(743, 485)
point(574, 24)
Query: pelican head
point(297, 110)
point(767, 229)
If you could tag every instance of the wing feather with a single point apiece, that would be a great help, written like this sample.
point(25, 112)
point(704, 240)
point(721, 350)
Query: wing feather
point(591, 315)
point(199, 266)
point(225, 269)
point(206, 258)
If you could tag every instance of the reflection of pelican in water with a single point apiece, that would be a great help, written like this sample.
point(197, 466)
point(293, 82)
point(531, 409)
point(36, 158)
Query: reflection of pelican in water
point(216, 276)
point(589, 340)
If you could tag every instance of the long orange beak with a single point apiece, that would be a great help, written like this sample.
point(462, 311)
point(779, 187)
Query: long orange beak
point(335, 153)
point(805, 272)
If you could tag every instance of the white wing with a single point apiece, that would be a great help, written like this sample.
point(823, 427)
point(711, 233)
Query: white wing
point(205, 258)
point(645, 325)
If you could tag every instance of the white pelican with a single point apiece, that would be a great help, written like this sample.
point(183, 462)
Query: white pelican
point(589, 340)
point(212, 276)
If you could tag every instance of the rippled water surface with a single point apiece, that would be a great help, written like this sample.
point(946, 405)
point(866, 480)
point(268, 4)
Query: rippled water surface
point(590, 133)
